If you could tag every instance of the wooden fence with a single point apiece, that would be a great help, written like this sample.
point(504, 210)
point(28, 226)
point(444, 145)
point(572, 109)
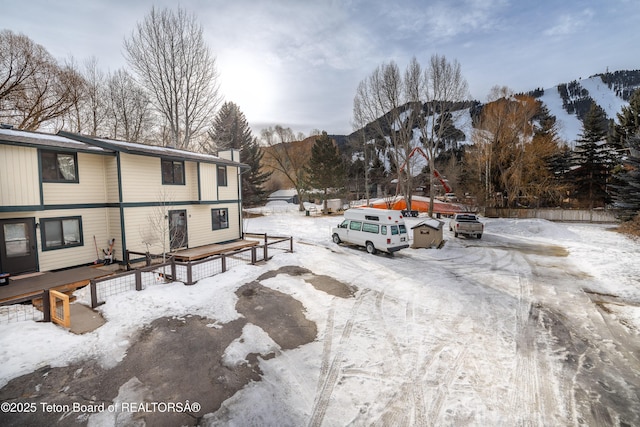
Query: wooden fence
point(551, 214)
point(189, 272)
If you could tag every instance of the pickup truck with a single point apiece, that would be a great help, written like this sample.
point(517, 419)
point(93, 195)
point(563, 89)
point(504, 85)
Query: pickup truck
point(466, 224)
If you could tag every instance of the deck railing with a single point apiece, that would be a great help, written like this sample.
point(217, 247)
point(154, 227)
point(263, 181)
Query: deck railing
point(187, 272)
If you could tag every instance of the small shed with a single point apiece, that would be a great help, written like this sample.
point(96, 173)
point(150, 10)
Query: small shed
point(289, 196)
point(427, 234)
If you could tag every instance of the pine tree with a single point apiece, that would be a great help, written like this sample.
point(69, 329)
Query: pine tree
point(325, 168)
point(231, 131)
point(593, 160)
point(628, 121)
point(561, 165)
point(628, 191)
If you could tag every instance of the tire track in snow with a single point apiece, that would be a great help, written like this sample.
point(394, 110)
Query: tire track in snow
point(326, 348)
point(434, 410)
point(524, 377)
point(535, 386)
point(330, 379)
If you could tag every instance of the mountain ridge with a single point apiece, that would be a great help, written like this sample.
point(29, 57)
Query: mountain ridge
point(568, 102)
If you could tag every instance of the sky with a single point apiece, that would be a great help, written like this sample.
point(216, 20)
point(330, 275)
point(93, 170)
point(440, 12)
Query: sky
point(298, 63)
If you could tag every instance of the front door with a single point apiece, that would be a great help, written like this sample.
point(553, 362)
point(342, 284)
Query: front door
point(178, 229)
point(18, 246)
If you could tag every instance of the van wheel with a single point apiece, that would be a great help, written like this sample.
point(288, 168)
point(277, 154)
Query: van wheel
point(370, 248)
point(336, 239)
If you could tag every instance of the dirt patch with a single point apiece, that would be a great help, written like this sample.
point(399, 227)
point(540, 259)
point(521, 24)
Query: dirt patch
point(291, 270)
point(279, 315)
point(533, 249)
point(173, 360)
point(322, 283)
point(332, 286)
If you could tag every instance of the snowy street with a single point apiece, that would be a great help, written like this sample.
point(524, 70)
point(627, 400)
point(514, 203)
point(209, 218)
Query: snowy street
point(537, 323)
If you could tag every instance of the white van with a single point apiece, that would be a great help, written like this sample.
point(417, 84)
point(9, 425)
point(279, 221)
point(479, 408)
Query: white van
point(375, 229)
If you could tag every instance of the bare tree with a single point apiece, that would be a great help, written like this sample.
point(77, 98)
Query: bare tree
point(513, 147)
point(96, 106)
point(438, 88)
point(158, 231)
point(88, 113)
point(129, 107)
point(169, 54)
point(382, 101)
point(20, 58)
point(286, 154)
point(359, 124)
point(34, 89)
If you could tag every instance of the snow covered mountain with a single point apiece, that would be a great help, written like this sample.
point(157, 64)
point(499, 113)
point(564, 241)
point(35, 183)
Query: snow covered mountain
point(569, 102)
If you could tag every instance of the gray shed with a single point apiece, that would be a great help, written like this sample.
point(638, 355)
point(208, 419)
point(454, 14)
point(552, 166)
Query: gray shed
point(427, 234)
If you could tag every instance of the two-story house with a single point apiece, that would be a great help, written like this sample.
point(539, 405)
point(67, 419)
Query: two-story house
point(63, 197)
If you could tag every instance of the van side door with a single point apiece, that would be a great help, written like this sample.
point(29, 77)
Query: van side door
point(355, 233)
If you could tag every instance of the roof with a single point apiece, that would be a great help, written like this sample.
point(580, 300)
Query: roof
point(431, 223)
point(76, 142)
point(280, 194)
point(45, 140)
point(150, 150)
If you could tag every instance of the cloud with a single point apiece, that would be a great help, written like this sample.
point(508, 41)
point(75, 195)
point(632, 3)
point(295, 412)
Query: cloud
point(445, 20)
point(570, 24)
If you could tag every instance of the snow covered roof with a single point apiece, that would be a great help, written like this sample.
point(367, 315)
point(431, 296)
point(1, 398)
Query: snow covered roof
point(37, 139)
point(150, 150)
point(280, 194)
point(432, 223)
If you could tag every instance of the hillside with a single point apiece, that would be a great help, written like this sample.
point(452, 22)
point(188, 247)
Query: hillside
point(569, 102)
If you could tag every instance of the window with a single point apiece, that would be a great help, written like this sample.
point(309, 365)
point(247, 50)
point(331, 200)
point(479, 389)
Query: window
point(355, 225)
point(59, 167)
point(222, 176)
point(394, 230)
point(383, 230)
point(173, 172)
point(370, 228)
point(344, 224)
point(403, 229)
point(59, 233)
point(371, 218)
point(219, 218)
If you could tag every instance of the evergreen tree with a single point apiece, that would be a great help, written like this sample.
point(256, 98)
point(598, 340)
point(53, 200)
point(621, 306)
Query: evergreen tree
point(561, 165)
point(230, 130)
point(628, 191)
point(628, 121)
point(593, 159)
point(378, 176)
point(325, 168)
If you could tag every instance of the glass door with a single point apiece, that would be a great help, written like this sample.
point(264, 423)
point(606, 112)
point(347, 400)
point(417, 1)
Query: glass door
point(18, 246)
point(178, 229)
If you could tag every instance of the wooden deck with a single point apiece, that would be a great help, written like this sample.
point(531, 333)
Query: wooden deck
point(201, 252)
point(63, 281)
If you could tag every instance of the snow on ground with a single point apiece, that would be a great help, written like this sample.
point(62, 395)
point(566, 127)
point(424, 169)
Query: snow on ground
point(534, 324)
